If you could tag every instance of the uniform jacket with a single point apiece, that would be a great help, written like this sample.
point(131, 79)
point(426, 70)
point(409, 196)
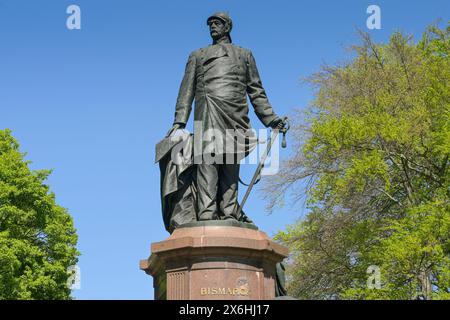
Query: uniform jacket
point(219, 78)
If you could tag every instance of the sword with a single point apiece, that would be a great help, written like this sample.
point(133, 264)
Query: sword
point(272, 138)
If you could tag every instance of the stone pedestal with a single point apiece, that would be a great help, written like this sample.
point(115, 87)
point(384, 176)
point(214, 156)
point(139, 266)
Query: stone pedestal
point(212, 260)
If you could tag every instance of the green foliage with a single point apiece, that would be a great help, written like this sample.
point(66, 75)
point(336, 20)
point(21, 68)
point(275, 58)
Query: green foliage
point(375, 150)
point(37, 237)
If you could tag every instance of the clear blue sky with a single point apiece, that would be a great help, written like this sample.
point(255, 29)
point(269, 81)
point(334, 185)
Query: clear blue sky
point(92, 103)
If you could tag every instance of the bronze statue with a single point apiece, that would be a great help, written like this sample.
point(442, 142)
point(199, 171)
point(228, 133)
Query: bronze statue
point(219, 78)
point(203, 188)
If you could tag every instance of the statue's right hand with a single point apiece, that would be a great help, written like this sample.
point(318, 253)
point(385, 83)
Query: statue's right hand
point(172, 130)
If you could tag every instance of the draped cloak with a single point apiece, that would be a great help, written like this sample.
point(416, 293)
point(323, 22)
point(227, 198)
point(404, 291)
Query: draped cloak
point(178, 192)
point(177, 187)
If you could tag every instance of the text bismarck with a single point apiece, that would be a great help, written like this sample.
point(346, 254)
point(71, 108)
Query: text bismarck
point(240, 291)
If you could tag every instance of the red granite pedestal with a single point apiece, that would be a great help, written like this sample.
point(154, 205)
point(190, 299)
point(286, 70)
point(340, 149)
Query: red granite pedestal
point(214, 260)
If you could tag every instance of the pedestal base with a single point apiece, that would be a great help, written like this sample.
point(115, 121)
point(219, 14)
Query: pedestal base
point(215, 260)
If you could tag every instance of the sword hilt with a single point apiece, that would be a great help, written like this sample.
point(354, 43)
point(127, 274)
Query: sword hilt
point(284, 130)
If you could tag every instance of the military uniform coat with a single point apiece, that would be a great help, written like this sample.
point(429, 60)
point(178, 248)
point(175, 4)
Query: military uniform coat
point(220, 77)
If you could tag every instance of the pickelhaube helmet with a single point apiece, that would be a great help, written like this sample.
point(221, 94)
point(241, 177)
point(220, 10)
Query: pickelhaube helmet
point(222, 16)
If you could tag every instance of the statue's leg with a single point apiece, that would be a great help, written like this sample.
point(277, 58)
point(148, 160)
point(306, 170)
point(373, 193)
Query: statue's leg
point(228, 189)
point(206, 183)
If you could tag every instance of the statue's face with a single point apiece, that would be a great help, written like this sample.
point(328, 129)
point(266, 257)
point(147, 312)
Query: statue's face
point(218, 28)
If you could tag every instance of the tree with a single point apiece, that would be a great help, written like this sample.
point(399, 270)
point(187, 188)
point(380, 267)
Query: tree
point(373, 163)
point(37, 237)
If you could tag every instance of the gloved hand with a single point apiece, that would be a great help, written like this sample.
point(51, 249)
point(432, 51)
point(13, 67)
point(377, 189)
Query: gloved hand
point(174, 128)
point(278, 123)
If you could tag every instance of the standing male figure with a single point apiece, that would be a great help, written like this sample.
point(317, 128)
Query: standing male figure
point(220, 77)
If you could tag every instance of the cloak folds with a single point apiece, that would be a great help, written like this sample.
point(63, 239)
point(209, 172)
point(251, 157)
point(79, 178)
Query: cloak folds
point(177, 177)
point(177, 183)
